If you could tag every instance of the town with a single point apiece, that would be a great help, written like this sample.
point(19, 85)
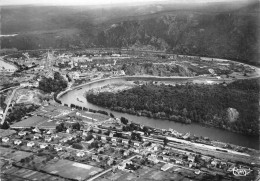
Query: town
point(45, 139)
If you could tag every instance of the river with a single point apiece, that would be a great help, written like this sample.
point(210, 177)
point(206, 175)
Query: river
point(199, 130)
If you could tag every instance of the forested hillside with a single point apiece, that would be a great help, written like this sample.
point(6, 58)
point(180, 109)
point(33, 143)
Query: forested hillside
point(225, 31)
point(233, 107)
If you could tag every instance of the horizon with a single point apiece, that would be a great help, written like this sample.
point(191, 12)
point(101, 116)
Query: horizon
point(113, 2)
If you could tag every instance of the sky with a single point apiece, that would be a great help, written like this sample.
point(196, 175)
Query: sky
point(98, 2)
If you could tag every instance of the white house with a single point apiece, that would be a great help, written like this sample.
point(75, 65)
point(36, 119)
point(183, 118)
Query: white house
point(30, 144)
point(48, 139)
point(58, 148)
point(43, 145)
point(5, 139)
point(80, 154)
point(126, 142)
point(22, 133)
point(17, 142)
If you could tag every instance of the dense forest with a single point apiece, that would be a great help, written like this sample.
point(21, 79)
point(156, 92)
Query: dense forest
point(231, 106)
point(55, 84)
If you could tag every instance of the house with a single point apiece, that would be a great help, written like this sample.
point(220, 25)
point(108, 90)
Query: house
point(58, 148)
point(95, 130)
point(36, 130)
point(54, 136)
point(101, 149)
point(128, 134)
point(178, 161)
point(106, 146)
point(214, 163)
point(5, 139)
point(43, 145)
point(113, 140)
point(69, 138)
point(80, 154)
point(95, 157)
point(63, 140)
point(30, 144)
point(37, 136)
point(68, 130)
point(90, 141)
point(110, 161)
point(166, 158)
point(153, 159)
point(126, 142)
point(51, 131)
point(17, 142)
point(197, 171)
point(111, 134)
point(205, 158)
point(114, 143)
point(191, 158)
point(166, 167)
point(121, 166)
point(48, 139)
point(191, 164)
point(126, 152)
point(136, 143)
point(22, 133)
point(103, 138)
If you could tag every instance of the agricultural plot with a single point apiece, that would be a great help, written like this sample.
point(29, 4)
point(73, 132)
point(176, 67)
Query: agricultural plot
point(71, 170)
point(13, 154)
point(13, 173)
point(29, 122)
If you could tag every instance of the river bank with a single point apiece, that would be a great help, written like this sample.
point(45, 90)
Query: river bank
point(70, 97)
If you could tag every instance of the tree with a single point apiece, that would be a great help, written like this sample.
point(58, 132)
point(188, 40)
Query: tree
point(165, 141)
point(60, 127)
point(124, 120)
point(112, 115)
point(76, 126)
point(5, 125)
point(77, 146)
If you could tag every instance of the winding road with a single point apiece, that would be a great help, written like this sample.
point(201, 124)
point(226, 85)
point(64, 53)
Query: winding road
point(8, 104)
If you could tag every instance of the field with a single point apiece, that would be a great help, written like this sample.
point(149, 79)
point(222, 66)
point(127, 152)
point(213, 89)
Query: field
point(14, 173)
point(145, 173)
point(29, 122)
point(72, 170)
point(6, 132)
point(13, 154)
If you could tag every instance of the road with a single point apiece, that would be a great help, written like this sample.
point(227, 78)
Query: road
point(8, 89)
point(108, 170)
point(8, 104)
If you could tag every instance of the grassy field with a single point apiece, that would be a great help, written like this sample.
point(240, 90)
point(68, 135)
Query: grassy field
point(145, 173)
point(13, 154)
point(71, 170)
point(32, 121)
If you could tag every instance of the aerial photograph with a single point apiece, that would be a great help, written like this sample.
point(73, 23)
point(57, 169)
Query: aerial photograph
point(129, 90)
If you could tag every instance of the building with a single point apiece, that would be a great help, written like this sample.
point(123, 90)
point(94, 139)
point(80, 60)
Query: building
point(191, 158)
point(80, 154)
point(136, 143)
point(30, 144)
point(43, 145)
point(166, 167)
point(48, 139)
point(5, 139)
point(22, 133)
point(126, 142)
point(113, 140)
point(58, 148)
point(95, 157)
point(17, 142)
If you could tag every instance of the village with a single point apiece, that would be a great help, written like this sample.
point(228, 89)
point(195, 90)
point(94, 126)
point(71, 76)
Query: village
point(55, 141)
point(64, 143)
